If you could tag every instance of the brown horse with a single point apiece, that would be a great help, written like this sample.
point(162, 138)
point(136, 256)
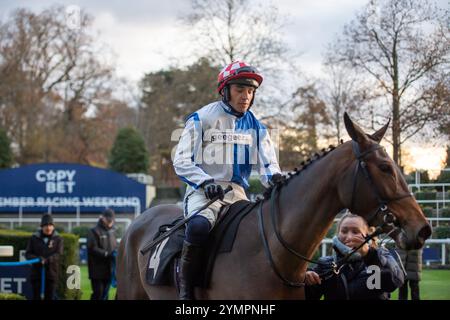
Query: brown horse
point(308, 203)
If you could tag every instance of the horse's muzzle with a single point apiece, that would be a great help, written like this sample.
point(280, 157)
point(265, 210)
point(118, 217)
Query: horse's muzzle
point(424, 234)
point(414, 241)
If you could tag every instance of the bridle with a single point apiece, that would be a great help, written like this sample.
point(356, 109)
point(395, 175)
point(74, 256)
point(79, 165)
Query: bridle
point(388, 218)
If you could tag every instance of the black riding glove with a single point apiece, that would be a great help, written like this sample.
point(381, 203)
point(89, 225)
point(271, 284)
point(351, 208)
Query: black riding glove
point(325, 268)
point(213, 190)
point(276, 178)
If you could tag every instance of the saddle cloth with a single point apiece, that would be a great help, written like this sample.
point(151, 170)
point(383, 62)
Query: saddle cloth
point(161, 267)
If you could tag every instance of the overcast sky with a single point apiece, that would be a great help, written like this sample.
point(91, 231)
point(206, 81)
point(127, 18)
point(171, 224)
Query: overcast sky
point(146, 34)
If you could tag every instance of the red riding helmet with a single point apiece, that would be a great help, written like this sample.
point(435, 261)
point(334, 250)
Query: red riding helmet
point(240, 73)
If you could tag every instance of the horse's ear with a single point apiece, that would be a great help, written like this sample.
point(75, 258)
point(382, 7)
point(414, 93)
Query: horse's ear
point(377, 136)
point(354, 131)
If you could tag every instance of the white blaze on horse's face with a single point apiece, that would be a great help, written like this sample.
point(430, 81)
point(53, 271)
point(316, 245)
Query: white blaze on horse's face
point(411, 228)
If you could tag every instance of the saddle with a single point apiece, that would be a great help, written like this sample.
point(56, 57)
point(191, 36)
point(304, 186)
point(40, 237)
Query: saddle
point(162, 267)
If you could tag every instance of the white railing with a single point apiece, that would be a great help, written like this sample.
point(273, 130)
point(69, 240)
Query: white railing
point(442, 242)
point(70, 221)
point(136, 206)
point(427, 185)
point(141, 177)
point(84, 240)
point(437, 220)
point(441, 201)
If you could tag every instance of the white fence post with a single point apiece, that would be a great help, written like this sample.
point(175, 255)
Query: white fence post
point(443, 253)
point(443, 197)
point(78, 216)
point(324, 249)
point(137, 209)
point(20, 216)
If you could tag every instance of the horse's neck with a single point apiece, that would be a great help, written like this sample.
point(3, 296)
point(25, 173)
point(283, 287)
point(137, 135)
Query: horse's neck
point(308, 206)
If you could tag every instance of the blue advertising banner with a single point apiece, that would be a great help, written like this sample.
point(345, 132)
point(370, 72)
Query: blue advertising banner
point(15, 279)
point(64, 187)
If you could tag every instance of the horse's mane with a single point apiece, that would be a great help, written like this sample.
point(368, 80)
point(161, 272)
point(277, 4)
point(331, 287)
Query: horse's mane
point(303, 166)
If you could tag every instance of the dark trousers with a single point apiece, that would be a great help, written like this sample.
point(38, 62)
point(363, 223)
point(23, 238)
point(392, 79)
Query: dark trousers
point(49, 290)
point(100, 289)
point(403, 291)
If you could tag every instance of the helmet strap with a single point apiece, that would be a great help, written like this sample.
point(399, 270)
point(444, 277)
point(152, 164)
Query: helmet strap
point(253, 99)
point(227, 93)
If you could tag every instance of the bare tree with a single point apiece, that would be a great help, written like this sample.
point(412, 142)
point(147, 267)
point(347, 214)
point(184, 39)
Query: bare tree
point(52, 84)
point(227, 30)
point(341, 93)
point(439, 97)
point(250, 30)
point(398, 43)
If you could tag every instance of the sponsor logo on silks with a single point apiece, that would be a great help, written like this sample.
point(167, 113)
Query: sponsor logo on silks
point(229, 137)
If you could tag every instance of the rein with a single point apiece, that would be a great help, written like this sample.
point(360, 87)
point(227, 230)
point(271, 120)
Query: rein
point(388, 219)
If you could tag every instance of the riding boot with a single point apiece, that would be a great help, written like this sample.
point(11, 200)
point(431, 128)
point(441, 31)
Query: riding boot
point(189, 262)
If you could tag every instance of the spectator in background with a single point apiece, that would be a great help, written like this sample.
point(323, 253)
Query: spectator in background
point(101, 244)
point(48, 246)
point(412, 261)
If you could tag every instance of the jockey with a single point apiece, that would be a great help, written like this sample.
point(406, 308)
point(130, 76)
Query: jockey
point(220, 145)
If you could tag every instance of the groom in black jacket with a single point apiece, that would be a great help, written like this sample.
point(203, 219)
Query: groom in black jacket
point(101, 245)
point(47, 245)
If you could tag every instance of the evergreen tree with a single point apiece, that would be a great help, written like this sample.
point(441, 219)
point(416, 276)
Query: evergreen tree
point(6, 156)
point(129, 154)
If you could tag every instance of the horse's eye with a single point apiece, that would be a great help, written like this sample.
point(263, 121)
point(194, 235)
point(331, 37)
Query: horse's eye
point(385, 168)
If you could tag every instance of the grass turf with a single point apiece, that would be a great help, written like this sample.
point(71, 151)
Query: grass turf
point(435, 285)
point(86, 285)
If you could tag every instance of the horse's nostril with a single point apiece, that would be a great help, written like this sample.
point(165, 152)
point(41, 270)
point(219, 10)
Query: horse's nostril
point(425, 232)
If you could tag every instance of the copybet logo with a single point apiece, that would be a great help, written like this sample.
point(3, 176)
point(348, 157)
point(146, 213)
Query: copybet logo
point(57, 181)
point(7, 285)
